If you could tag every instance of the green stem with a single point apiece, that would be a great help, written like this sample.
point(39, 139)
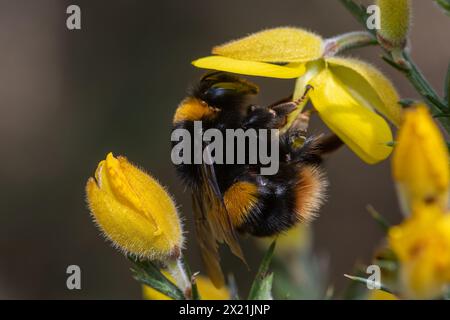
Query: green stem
point(408, 68)
point(347, 41)
point(422, 85)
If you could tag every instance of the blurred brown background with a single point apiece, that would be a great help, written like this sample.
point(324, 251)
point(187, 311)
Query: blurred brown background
point(69, 97)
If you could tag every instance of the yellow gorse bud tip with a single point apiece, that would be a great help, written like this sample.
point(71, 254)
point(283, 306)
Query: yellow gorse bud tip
point(133, 210)
point(422, 245)
point(206, 289)
point(395, 22)
point(420, 162)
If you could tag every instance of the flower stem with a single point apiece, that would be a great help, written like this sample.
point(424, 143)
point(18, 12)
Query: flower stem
point(176, 269)
point(349, 40)
point(409, 68)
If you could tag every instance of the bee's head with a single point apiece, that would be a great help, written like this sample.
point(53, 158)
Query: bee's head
point(221, 89)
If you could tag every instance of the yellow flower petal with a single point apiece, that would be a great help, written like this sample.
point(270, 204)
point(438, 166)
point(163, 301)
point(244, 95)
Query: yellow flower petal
point(133, 210)
point(148, 293)
point(365, 132)
point(369, 86)
point(274, 45)
point(381, 295)
point(206, 289)
point(420, 162)
point(250, 68)
point(312, 69)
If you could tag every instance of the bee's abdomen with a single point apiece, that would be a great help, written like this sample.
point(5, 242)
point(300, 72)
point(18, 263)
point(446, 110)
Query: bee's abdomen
point(241, 201)
point(292, 196)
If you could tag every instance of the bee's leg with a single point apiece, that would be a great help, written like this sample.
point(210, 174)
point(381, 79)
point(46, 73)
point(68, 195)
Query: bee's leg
point(274, 116)
point(265, 118)
point(284, 108)
point(281, 101)
point(295, 147)
point(292, 105)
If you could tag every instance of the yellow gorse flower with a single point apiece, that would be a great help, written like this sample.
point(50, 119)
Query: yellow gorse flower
point(422, 241)
point(206, 289)
point(346, 94)
point(133, 210)
point(395, 22)
point(420, 162)
point(422, 245)
point(297, 239)
point(381, 295)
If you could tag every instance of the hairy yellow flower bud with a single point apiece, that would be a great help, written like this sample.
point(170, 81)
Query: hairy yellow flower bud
point(274, 45)
point(420, 162)
point(395, 22)
point(133, 210)
point(422, 245)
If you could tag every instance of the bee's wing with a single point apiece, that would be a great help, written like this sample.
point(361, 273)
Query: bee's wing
point(213, 225)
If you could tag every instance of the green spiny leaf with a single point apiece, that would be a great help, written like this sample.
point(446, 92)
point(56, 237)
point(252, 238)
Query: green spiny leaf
point(355, 290)
point(444, 4)
point(388, 265)
point(264, 291)
point(447, 293)
point(391, 144)
point(329, 294)
point(384, 225)
point(262, 285)
point(447, 87)
point(147, 273)
point(232, 286)
point(441, 115)
point(406, 103)
point(368, 282)
point(394, 64)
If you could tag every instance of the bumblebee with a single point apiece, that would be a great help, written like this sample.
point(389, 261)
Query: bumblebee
point(231, 199)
